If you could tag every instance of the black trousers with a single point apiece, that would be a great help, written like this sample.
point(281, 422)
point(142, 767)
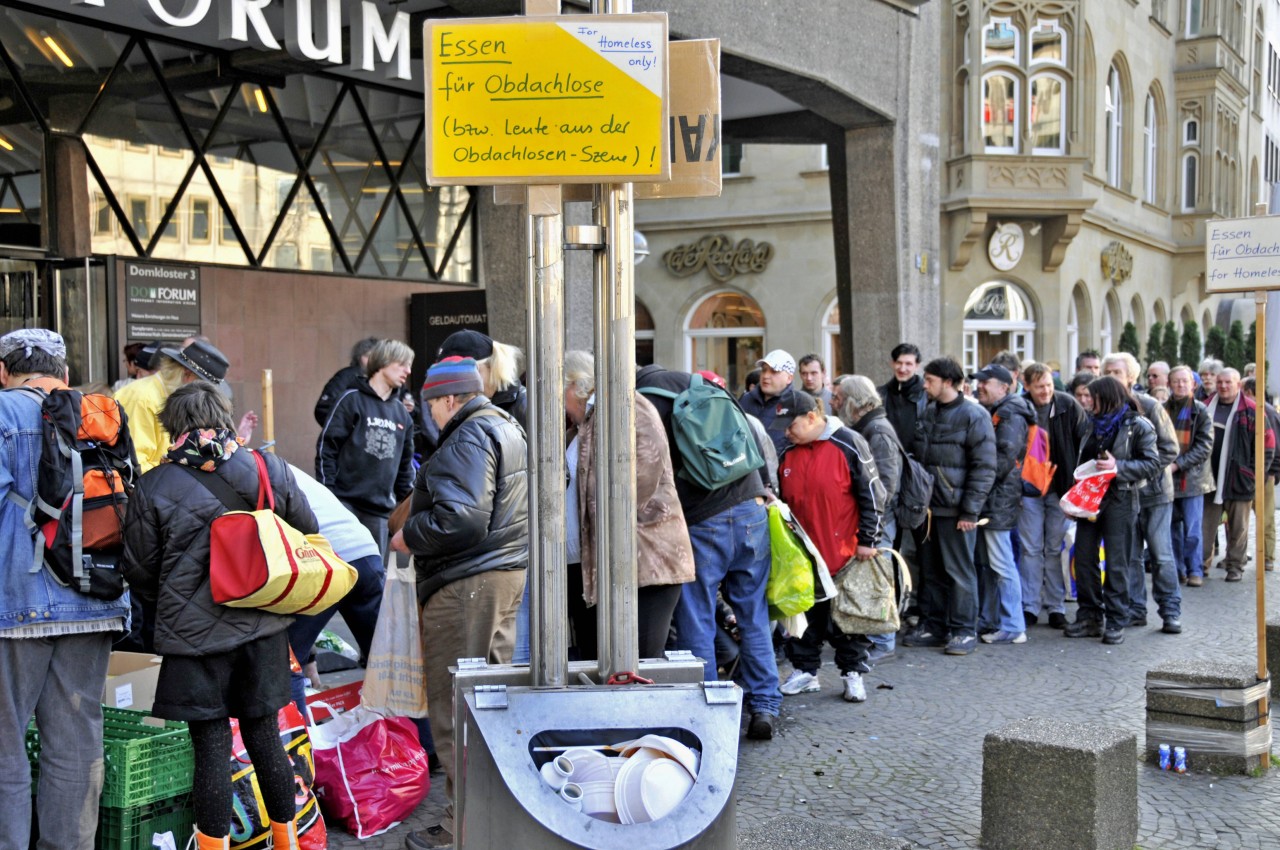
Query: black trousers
point(655, 606)
point(949, 595)
point(805, 652)
point(1115, 527)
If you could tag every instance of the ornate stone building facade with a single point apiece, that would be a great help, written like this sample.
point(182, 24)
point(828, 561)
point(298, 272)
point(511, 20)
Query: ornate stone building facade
point(1085, 143)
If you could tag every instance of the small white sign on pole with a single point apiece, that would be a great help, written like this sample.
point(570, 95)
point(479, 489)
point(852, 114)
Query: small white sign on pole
point(1242, 254)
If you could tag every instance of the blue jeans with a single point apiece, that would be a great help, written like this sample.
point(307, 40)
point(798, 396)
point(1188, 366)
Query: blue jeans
point(1041, 526)
point(1187, 535)
point(520, 654)
point(1001, 584)
point(731, 553)
point(359, 610)
point(59, 680)
point(1154, 526)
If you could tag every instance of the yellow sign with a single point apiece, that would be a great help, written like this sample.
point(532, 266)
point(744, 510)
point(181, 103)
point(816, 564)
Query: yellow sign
point(565, 99)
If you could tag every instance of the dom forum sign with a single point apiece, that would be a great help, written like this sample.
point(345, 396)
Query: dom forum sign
point(161, 302)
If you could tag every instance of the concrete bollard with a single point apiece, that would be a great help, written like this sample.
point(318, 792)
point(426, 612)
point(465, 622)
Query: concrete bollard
point(1211, 710)
point(1054, 785)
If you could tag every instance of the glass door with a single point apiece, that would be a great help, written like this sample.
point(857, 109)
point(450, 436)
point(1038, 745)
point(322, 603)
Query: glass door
point(82, 314)
point(19, 295)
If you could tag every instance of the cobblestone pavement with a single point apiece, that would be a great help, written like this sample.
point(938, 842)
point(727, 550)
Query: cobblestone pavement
point(907, 764)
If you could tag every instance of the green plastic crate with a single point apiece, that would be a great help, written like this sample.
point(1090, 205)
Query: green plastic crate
point(132, 828)
point(143, 763)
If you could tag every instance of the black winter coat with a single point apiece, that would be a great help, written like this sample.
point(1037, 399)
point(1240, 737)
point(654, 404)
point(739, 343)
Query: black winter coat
point(1159, 490)
point(958, 445)
point(1012, 419)
point(904, 404)
point(765, 409)
point(470, 513)
point(166, 553)
point(1137, 459)
point(1193, 478)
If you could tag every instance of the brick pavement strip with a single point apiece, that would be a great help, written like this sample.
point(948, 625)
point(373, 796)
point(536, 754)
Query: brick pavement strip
point(905, 768)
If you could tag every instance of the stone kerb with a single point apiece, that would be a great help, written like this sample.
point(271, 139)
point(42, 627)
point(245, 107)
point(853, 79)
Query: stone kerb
point(1273, 654)
point(1054, 785)
point(1212, 710)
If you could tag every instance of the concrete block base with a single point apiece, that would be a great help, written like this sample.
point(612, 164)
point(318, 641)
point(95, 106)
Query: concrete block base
point(1212, 710)
point(1059, 786)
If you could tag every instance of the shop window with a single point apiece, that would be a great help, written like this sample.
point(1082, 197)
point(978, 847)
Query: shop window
point(1000, 113)
point(725, 333)
point(1190, 181)
point(997, 316)
point(140, 217)
point(1048, 110)
point(1000, 42)
point(645, 333)
point(199, 220)
point(1114, 126)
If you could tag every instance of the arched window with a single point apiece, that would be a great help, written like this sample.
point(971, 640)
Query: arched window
point(1191, 132)
point(1000, 42)
point(1079, 324)
point(1190, 180)
point(1048, 42)
point(997, 316)
point(644, 334)
point(831, 348)
point(1048, 113)
point(1138, 316)
point(1114, 99)
point(1110, 321)
point(1150, 139)
point(1000, 112)
point(724, 332)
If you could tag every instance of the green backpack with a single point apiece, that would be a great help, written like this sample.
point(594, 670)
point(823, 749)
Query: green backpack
point(712, 434)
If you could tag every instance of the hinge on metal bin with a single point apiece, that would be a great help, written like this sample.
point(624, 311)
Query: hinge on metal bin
point(472, 664)
point(719, 693)
point(679, 655)
point(491, 696)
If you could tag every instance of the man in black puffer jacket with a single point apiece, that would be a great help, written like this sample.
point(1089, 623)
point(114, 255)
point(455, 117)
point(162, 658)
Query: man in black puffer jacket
point(1012, 416)
point(957, 444)
point(468, 530)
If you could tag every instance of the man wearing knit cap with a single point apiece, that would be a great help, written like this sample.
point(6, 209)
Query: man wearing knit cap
point(468, 530)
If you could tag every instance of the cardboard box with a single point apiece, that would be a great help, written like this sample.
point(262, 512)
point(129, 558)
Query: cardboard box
point(131, 680)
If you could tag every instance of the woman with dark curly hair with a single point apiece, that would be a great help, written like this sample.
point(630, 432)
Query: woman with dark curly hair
point(1123, 441)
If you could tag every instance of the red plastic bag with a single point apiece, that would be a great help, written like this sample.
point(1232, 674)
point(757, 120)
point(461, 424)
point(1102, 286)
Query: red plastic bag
point(371, 772)
point(249, 826)
point(1085, 496)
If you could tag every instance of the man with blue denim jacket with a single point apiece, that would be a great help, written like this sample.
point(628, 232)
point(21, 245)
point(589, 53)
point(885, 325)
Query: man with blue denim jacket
point(54, 641)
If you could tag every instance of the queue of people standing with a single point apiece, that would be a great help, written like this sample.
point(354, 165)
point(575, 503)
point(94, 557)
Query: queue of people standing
point(454, 458)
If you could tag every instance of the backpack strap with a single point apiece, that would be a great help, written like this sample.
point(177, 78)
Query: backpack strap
point(29, 506)
point(658, 391)
point(218, 486)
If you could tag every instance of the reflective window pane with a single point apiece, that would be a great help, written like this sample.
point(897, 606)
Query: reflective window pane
point(1047, 44)
point(727, 310)
point(999, 42)
point(999, 111)
point(1047, 108)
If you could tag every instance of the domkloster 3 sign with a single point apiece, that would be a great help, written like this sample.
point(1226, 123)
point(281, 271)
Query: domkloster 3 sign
point(161, 302)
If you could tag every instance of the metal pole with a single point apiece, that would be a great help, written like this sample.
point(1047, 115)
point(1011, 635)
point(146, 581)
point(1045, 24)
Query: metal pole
point(615, 419)
point(549, 644)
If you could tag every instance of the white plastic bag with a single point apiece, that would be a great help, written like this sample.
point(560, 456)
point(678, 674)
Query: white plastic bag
point(395, 680)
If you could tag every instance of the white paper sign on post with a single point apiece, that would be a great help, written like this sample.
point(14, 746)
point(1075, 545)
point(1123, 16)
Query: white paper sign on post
point(1242, 254)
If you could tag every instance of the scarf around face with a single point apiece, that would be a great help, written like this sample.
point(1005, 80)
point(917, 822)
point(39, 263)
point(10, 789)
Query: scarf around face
point(205, 449)
point(1105, 428)
point(1182, 412)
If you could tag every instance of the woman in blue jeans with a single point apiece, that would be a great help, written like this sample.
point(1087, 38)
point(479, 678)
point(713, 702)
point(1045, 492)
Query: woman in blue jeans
point(1124, 442)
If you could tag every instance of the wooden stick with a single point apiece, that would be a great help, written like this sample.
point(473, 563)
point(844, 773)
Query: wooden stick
point(268, 412)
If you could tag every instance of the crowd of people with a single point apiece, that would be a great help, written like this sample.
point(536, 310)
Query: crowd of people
point(440, 475)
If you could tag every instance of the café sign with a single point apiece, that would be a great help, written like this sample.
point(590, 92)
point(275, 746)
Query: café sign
point(721, 258)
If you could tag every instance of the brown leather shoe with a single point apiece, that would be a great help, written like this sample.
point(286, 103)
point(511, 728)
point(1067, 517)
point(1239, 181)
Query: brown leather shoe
point(1234, 574)
point(1195, 581)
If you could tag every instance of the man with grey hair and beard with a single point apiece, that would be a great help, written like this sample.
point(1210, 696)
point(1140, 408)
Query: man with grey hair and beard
point(862, 409)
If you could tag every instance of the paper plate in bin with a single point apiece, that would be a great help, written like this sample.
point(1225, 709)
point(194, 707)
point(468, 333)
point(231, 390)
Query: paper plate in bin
point(662, 747)
point(627, 787)
point(663, 785)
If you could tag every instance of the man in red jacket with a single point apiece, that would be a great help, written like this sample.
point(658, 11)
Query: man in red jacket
point(828, 477)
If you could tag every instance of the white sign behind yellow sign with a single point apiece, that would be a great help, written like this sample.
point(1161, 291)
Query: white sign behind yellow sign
point(564, 99)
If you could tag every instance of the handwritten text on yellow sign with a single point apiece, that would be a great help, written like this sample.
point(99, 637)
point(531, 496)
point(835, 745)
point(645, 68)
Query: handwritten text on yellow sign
point(559, 99)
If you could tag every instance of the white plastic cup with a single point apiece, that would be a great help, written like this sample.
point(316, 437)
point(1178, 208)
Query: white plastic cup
point(571, 793)
point(556, 772)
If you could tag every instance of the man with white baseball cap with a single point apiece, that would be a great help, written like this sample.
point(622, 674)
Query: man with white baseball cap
point(774, 395)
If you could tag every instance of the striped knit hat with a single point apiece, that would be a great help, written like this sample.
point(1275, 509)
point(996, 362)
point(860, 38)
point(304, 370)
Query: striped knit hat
point(452, 376)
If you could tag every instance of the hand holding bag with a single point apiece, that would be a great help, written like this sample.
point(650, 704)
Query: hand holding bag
point(824, 587)
point(872, 594)
point(395, 680)
point(1084, 498)
point(790, 588)
point(257, 560)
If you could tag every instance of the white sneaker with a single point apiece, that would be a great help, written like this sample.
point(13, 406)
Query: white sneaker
point(854, 690)
point(800, 682)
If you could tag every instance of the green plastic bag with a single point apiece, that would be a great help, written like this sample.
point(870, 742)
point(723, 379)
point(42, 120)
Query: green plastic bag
point(790, 589)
